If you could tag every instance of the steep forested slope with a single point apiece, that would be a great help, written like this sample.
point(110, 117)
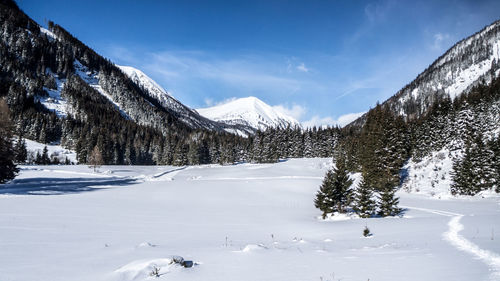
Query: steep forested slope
point(452, 106)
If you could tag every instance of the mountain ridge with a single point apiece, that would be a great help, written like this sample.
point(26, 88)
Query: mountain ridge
point(470, 61)
point(249, 111)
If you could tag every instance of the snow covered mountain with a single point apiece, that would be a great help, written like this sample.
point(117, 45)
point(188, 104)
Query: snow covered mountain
point(187, 115)
point(145, 82)
point(155, 91)
point(249, 111)
point(466, 64)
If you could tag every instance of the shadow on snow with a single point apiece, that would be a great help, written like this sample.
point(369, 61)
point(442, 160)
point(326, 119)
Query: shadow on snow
point(58, 186)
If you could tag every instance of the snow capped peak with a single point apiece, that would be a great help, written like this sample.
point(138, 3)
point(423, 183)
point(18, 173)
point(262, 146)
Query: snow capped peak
point(249, 111)
point(144, 81)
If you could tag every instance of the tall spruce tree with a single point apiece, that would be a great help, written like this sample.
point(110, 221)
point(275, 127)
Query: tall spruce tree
point(44, 157)
point(364, 205)
point(20, 150)
point(335, 193)
point(388, 202)
point(475, 171)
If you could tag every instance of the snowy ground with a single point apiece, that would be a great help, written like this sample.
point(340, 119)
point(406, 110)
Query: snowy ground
point(243, 222)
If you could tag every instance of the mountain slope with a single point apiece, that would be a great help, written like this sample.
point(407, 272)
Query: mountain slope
point(167, 101)
point(250, 112)
point(466, 64)
point(443, 128)
point(145, 82)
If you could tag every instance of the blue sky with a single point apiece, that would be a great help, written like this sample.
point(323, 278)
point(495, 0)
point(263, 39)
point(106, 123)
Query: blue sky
point(319, 61)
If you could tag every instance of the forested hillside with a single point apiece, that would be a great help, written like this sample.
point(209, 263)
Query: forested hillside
point(467, 127)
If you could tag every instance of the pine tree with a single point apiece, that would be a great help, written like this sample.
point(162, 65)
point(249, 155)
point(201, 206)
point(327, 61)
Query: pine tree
point(335, 193)
point(193, 154)
point(323, 200)
point(180, 154)
point(383, 147)
point(364, 205)
point(21, 151)
point(475, 171)
point(388, 202)
point(8, 169)
point(38, 158)
point(44, 157)
point(483, 162)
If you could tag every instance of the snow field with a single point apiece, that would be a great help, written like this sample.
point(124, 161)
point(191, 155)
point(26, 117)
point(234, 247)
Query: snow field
point(241, 222)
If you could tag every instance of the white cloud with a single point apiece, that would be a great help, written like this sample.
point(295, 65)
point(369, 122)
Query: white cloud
point(302, 67)
point(317, 121)
point(329, 121)
point(228, 100)
point(348, 118)
point(296, 111)
point(439, 39)
point(378, 10)
point(209, 102)
point(289, 65)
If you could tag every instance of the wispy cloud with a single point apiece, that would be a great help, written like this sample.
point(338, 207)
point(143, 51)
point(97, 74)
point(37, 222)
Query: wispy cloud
point(294, 64)
point(375, 13)
point(348, 118)
point(378, 11)
point(209, 102)
point(248, 75)
point(317, 121)
point(302, 67)
point(295, 111)
point(439, 40)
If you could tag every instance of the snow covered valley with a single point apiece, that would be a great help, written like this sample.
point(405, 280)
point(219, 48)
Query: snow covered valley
point(241, 222)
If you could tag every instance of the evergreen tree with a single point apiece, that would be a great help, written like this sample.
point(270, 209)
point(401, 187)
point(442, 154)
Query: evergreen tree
point(44, 157)
point(21, 151)
point(475, 171)
point(364, 205)
point(8, 169)
point(38, 158)
point(193, 155)
point(335, 193)
point(323, 196)
point(180, 154)
point(388, 202)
